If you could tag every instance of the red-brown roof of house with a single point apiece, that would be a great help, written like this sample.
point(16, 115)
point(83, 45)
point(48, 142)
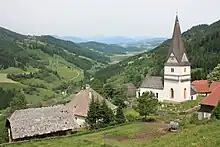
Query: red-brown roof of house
point(214, 85)
point(213, 98)
point(201, 86)
point(79, 105)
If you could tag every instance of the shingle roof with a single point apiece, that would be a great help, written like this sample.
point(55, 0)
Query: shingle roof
point(177, 45)
point(153, 82)
point(79, 105)
point(38, 121)
point(213, 98)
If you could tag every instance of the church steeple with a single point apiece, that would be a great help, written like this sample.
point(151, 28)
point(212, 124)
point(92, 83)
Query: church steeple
point(177, 50)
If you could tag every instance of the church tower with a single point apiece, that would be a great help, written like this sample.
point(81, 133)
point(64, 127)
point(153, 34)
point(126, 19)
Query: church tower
point(177, 69)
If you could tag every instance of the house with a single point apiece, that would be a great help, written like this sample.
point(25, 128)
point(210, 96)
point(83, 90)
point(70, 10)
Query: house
point(176, 83)
point(201, 87)
point(130, 89)
point(40, 122)
point(210, 102)
point(79, 105)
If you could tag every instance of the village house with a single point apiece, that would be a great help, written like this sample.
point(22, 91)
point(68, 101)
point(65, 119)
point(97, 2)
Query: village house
point(129, 89)
point(40, 122)
point(176, 84)
point(210, 101)
point(79, 105)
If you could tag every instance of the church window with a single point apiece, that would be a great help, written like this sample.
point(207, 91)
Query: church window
point(171, 93)
point(184, 93)
point(184, 69)
point(172, 69)
point(156, 95)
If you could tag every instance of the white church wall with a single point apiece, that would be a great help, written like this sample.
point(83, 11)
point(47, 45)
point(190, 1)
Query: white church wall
point(178, 90)
point(158, 92)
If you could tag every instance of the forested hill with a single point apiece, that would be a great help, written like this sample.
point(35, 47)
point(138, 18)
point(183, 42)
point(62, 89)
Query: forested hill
point(104, 48)
point(203, 47)
point(16, 50)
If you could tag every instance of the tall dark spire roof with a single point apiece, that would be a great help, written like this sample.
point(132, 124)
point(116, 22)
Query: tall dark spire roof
point(177, 46)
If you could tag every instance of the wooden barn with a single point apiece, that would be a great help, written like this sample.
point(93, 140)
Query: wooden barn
point(40, 122)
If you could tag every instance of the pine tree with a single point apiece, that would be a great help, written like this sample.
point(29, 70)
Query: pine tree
point(147, 104)
point(92, 116)
point(120, 118)
point(106, 115)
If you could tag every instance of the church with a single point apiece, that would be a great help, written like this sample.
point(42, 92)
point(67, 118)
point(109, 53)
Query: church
point(176, 86)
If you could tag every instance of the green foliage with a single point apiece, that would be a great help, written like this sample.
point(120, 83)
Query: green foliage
point(99, 115)
point(131, 115)
point(120, 118)
point(18, 102)
point(215, 74)
point(5, 97)
point(147, 104)
point(216, 112)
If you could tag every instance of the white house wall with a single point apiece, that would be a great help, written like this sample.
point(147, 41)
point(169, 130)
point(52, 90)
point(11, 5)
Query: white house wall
point(80, 121)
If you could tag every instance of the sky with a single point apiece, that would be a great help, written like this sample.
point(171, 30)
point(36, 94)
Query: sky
point(105, 17)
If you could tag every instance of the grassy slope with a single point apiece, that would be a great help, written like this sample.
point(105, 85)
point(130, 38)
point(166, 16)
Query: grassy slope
point(66, 70)
point(202, 135)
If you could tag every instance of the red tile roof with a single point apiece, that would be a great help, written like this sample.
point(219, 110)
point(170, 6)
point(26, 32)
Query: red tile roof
point(213, 98)
point(214, 85)
point(201, 86)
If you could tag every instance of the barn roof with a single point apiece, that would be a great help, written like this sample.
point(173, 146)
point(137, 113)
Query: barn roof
point(79, 105)
point(152, 82)
point(38, 121)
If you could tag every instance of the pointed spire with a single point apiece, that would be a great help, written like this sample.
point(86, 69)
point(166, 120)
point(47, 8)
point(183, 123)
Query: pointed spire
point(177, 47)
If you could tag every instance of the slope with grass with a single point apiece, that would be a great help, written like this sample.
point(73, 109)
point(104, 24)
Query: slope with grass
point(140, 134)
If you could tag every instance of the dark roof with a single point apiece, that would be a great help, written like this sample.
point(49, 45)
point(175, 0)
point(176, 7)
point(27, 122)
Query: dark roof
point(38, 121)
point(152, 82)
point(193, 91)
point(177, 46)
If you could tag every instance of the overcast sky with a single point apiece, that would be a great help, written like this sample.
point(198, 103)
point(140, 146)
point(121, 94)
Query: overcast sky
point(105, 17)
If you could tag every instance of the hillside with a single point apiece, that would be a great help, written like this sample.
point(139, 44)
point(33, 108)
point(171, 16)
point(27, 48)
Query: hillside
point(203, 46)
point(138, 134)
point(43, 67)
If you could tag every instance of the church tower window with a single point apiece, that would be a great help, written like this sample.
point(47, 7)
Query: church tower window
point(172, 69)
point(184, 69)
point(171, 93)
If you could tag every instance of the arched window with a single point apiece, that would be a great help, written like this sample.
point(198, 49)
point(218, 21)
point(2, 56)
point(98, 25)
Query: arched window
point(156, 95)
point(172, 69)
point(171, 93)
point(184, 69)
point(184, 93)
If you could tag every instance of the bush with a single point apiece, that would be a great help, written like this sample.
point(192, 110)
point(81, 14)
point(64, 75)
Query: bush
point(132, 115)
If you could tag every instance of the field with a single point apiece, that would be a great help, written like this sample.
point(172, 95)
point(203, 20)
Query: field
point(4, 79)
point(139, 134)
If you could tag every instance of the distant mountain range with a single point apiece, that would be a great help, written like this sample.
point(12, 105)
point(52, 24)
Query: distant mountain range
point(120, 40)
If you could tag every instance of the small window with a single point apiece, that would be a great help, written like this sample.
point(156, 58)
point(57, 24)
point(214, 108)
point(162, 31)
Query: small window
point(184, 69)
point(157, 95)
point(76, 118)
point(80, 126)
point(172, 69)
